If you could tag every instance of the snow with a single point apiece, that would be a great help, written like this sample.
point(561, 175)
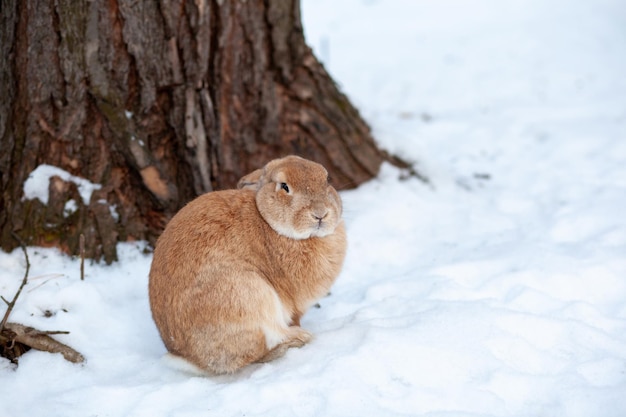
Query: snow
point(36, 185)
point(70, 207)
point(498, 289)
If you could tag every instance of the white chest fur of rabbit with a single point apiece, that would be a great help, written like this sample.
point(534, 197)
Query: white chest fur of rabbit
point(234, 270)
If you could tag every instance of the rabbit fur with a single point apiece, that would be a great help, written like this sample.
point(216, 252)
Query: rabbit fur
point(235, 270)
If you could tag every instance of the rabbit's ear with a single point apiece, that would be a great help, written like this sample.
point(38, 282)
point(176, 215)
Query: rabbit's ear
point(252, 181)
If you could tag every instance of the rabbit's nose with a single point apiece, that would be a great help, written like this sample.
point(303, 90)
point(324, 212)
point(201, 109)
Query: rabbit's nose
point(320, 215)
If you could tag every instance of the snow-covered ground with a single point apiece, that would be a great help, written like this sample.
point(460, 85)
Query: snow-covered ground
point(499, 289)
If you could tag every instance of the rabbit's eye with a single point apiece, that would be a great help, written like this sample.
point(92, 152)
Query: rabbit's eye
point(285, 187)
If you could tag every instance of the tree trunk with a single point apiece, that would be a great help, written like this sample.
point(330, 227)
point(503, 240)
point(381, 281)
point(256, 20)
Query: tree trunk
point(154, 103)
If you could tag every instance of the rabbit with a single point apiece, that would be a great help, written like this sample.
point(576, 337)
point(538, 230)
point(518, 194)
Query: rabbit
point(234, 271)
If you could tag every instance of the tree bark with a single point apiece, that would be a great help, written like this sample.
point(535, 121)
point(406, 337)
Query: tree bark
point(157, 102)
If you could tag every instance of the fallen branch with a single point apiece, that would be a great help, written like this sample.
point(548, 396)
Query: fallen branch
point(40, 340)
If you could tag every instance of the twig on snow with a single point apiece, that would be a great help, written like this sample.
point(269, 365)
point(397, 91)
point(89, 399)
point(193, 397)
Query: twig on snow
point(28, 337)
point(82, 257)
point(11, 304)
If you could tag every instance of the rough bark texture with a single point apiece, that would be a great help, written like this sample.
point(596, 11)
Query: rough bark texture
point(158, 102)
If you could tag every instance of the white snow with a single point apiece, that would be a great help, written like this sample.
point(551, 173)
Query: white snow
point(499, 289)
point(36, 185)
point(70, 208)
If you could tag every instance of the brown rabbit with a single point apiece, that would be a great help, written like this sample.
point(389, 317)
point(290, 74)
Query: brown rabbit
point(234, 270)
